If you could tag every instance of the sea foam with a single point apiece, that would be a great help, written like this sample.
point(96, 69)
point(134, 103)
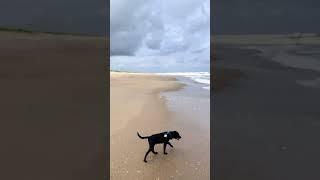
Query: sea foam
point(199, 77)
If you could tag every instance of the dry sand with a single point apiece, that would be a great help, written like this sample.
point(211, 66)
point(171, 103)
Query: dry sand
point(137, 106)
point(52, 101)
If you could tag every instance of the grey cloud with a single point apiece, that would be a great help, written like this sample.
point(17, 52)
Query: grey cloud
point(160, 35)
point(129, 25)
point(154, 37)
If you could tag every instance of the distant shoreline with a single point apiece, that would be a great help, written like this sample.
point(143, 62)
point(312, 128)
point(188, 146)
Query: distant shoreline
point(267, 39)
point(28, 31)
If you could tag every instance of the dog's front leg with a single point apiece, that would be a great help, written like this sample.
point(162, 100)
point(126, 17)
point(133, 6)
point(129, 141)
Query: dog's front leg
point(170, 144)
point(164, 148)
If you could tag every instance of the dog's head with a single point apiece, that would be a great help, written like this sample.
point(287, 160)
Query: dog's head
point(175, 135)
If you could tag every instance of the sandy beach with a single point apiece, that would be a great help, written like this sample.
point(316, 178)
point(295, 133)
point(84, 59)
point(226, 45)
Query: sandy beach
point(53, 99)
point(136, 105)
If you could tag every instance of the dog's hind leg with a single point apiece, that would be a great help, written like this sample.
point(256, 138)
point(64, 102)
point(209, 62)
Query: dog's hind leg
point(153, 150)
point(145, 157)
point(164, 148)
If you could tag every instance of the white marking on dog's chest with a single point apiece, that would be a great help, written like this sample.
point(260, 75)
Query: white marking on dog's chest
point(165, 135)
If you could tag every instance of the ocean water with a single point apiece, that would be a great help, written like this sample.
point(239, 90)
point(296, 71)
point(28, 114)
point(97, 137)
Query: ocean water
point(192, 102)
point(190, 115)
point(199, 77)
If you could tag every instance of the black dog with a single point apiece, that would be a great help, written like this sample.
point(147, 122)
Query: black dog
point(160, 138)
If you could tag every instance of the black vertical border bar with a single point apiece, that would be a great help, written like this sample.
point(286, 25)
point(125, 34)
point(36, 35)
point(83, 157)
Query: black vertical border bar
point(107, 68)
point(212, 76)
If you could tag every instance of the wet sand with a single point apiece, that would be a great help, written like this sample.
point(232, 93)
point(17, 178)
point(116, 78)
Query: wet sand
point(267, 121)
point(136, 105)
point(52, 101)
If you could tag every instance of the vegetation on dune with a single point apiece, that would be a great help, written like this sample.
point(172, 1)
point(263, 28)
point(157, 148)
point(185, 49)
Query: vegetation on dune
point(22, 30)
point(15, 30)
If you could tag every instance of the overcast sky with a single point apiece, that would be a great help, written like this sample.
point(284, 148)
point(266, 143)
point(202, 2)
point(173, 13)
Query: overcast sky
point(70, 16)
point(265, 16)
point(160, 35)
point(228, 16)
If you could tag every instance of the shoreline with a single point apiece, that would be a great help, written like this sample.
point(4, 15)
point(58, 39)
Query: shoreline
point(149, 117)
point(120, 79)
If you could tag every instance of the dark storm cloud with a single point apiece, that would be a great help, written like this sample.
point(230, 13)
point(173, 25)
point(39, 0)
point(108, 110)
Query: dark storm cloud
point(133, 23)
point(160, 35)
point(72, 16)
point(265, 16)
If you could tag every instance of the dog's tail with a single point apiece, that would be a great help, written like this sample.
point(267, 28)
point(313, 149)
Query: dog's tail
point(141, 136)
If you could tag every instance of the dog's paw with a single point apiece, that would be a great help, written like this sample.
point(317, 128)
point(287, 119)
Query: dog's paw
point(145, 161)
point(155, 152)
point(165, 153)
